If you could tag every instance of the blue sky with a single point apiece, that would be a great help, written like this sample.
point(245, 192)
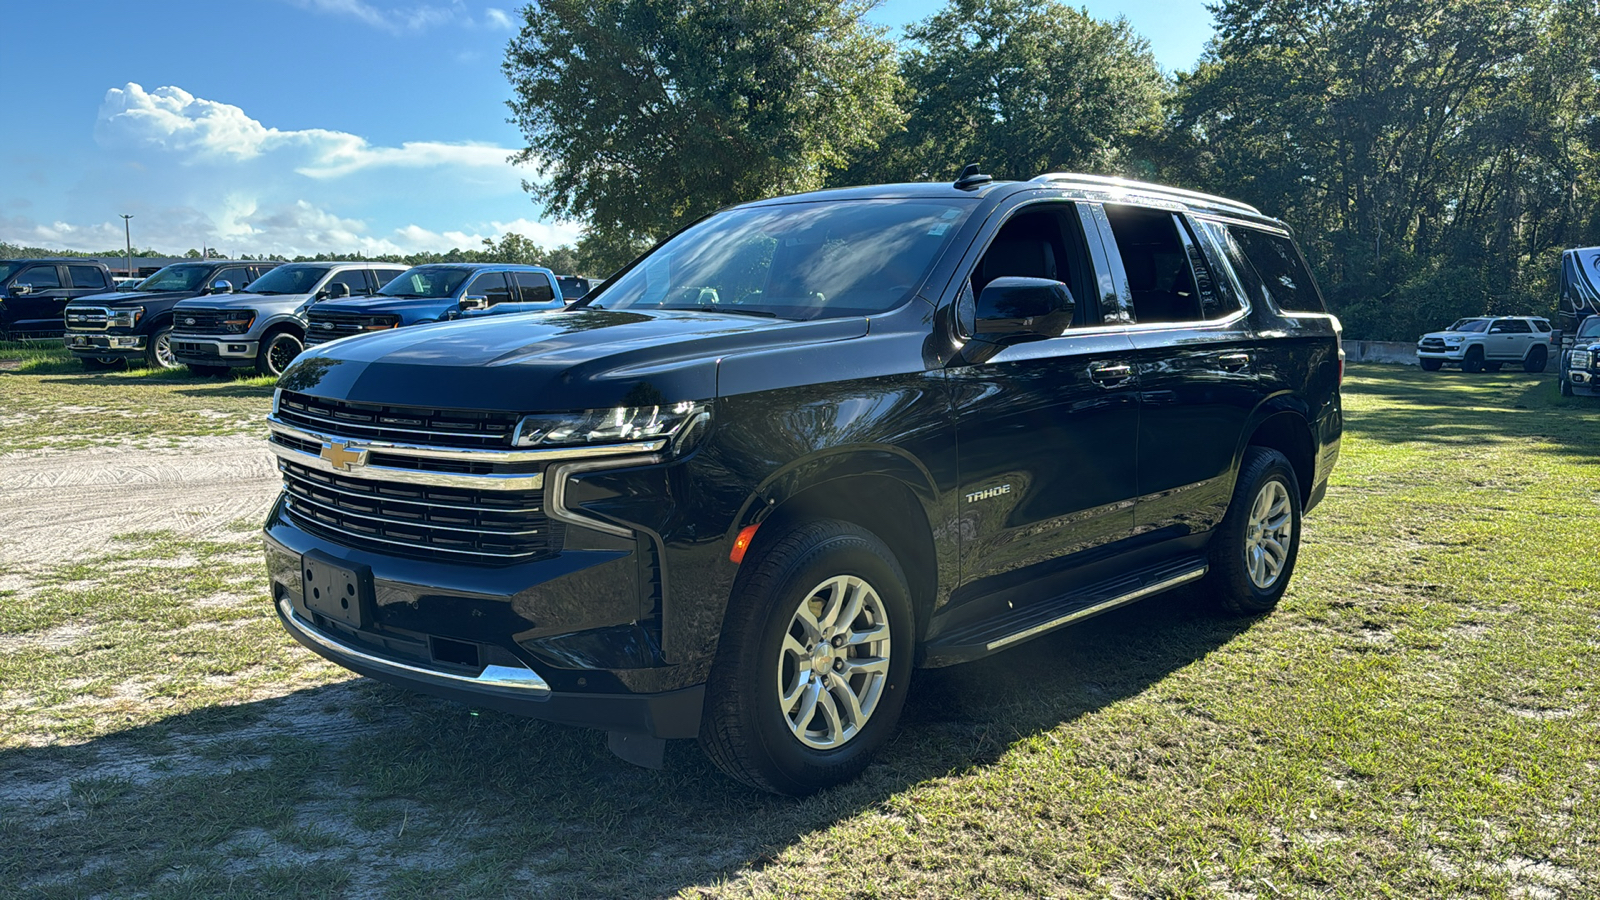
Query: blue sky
point(298, 126)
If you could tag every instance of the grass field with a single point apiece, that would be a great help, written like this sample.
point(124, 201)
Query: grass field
point(1420, 718)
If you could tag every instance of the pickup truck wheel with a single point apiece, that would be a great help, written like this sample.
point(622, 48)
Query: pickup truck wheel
point(100, 363)
point(1537, 358)
point(814, 660)
point(1473, 361)
point(277, 352)
point(1254, 549)
point(1566, 388)
point(208, 371)
point(158, 350)
point(1430, 365)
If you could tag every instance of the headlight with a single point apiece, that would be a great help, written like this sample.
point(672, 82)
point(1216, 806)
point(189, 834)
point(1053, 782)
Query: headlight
point(607, 426)
point(1580, 359)
point(238, 321)
point(1454, 341)
point(381, 323)
point(125, 318)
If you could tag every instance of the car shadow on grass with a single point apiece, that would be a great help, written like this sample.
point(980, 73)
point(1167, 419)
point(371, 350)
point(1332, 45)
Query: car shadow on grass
point(357, 788)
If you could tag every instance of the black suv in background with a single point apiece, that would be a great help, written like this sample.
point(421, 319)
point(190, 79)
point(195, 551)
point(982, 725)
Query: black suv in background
point(803, 446)
point(105, 330)
point(573, 287)
point(35, 292)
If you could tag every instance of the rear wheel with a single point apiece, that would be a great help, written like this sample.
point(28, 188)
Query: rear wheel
point(277, 352)
point(158, 350)
point(1473, 361)
point(1254, 549)
point(1430, 365)
point(815, 656)
point(1536, 361)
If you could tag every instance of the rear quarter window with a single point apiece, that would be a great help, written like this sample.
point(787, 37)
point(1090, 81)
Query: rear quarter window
point(1282, 273)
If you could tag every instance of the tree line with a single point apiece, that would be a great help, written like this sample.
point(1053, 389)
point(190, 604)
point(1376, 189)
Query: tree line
point(1433, 156)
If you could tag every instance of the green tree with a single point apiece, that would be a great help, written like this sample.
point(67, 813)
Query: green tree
point(642, 115)
point(1019, 87)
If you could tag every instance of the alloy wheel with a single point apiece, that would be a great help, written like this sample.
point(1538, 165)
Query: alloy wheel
point(834, 662)
point(1268, 534)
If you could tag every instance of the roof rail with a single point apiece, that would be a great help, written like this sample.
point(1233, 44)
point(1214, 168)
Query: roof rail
point(1131, 185)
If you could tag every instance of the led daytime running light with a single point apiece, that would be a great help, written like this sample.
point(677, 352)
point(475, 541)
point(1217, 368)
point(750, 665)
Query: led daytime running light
point(606, 426)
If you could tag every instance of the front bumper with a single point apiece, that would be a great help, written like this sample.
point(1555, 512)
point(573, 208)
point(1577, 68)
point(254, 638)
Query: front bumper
point(101, 344)
point(493, 637)
point(1449, 354)
point(1584, 383)
point(208, 351)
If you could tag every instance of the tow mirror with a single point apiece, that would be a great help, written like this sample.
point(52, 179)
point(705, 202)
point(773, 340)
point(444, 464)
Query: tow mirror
point(338, 290)
point(21, 290)
point(475, 301)
point(1013, 308)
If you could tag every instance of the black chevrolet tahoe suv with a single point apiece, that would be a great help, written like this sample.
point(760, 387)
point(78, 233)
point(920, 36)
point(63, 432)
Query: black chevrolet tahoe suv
point(106, 330)
point(803, 446)
point(35, 292)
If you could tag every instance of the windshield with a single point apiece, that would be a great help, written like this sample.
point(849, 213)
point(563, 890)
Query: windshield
point(1590, 327)
point(176, 278)
point(290, 279)
point(798, 261)
point(1473, 325)
point(426, 281)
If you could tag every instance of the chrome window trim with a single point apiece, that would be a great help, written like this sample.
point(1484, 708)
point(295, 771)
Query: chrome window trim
point(491, 457)
point(521, 681)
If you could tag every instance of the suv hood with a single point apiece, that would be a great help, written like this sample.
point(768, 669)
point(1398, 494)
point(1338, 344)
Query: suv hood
point(1444, 334)
point(566, 360)
point(376, 304)
point(126, 298)
point(246, 301)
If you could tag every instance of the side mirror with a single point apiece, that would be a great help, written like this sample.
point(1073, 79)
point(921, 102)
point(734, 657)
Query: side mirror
point(338, 290)
point(221, 287)
point(1013, 308)
point(21, 290)
point(474, 301)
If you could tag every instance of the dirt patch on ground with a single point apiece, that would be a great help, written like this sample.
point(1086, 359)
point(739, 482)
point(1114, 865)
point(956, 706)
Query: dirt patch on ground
point(64, 506)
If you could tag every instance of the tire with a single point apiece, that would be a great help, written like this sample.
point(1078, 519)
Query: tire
point(1430, 365)
point(1473, 361)
point(781, 603)
point(277, 351)
point(208, 371)
point(158, 350)
point(1254, 549)
point(1537, 359)
point(101, 363)
point(1566, 388)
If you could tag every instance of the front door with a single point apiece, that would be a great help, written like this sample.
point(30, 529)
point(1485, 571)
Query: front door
point(1045, 428)
point(38, 313)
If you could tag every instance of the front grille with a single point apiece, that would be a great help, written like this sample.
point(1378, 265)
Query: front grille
point(88, 318)
point(436, 523)
point(202, 321)
point(453, 428)
point(1431, 345)
point(327, 326)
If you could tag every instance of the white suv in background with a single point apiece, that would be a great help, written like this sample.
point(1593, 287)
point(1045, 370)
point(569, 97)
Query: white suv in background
point(1488, 342)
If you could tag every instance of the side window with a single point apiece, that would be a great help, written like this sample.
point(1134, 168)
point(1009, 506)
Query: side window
point(41, 277)
point(354, 279)
point(491, 285)
point(535, 287)
point(1542, 326)
point(1499, 326)
point(1040, 241)
point(1283, 274)
point(1168, 276)
point(237, 276)
point(1517, 326)
point(385, 276)
point(87, 277)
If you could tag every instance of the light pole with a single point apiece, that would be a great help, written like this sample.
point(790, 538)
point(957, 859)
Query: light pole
point(127, 235)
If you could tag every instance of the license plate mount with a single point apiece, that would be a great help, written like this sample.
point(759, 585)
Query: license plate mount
point(336, 589)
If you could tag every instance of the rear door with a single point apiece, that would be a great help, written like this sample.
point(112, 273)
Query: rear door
point(87, 280)
point(1045, 428)
point(1196, 361)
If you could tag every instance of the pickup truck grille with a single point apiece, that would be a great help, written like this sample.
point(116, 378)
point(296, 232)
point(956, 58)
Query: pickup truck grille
point(1431, 345)
point(88, 318)
point(322, 327)
point(398, 424)
point(201, 321)
point(437, 523)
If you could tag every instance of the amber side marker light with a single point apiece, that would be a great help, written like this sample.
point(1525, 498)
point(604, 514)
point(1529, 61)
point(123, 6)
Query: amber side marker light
point(742, 543)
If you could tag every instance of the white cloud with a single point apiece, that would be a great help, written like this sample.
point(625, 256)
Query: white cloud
point(499, 18)
point(395, 21)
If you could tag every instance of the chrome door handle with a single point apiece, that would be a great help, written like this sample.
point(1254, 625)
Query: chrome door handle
point(1110, 374)
point(1234, 362)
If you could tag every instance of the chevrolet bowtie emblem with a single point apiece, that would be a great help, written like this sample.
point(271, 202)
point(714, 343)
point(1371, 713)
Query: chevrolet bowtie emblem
point(342, 457)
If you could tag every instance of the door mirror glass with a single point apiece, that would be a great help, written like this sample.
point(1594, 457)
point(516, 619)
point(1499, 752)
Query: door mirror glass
point(1011, 308)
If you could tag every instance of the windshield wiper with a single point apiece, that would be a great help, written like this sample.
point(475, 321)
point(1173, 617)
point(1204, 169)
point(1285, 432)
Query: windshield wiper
point(735, 310)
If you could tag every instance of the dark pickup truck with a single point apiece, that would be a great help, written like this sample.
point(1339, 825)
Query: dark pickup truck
point(107, 330)
point(807, 444)
point(35, 292)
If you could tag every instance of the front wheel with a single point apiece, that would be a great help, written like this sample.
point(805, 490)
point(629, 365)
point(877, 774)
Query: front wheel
point(158, 351)
point(1538, 357)
point(1254, 549)
point(1566, 388)
point(816, 650)
point(277, 352)
point(1430, 365)
point(1473, 361)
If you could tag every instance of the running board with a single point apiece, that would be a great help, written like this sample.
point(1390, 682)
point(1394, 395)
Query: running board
point(1015, 626)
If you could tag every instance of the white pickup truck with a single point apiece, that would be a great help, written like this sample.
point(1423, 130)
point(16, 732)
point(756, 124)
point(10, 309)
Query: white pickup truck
point(1488, 342)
